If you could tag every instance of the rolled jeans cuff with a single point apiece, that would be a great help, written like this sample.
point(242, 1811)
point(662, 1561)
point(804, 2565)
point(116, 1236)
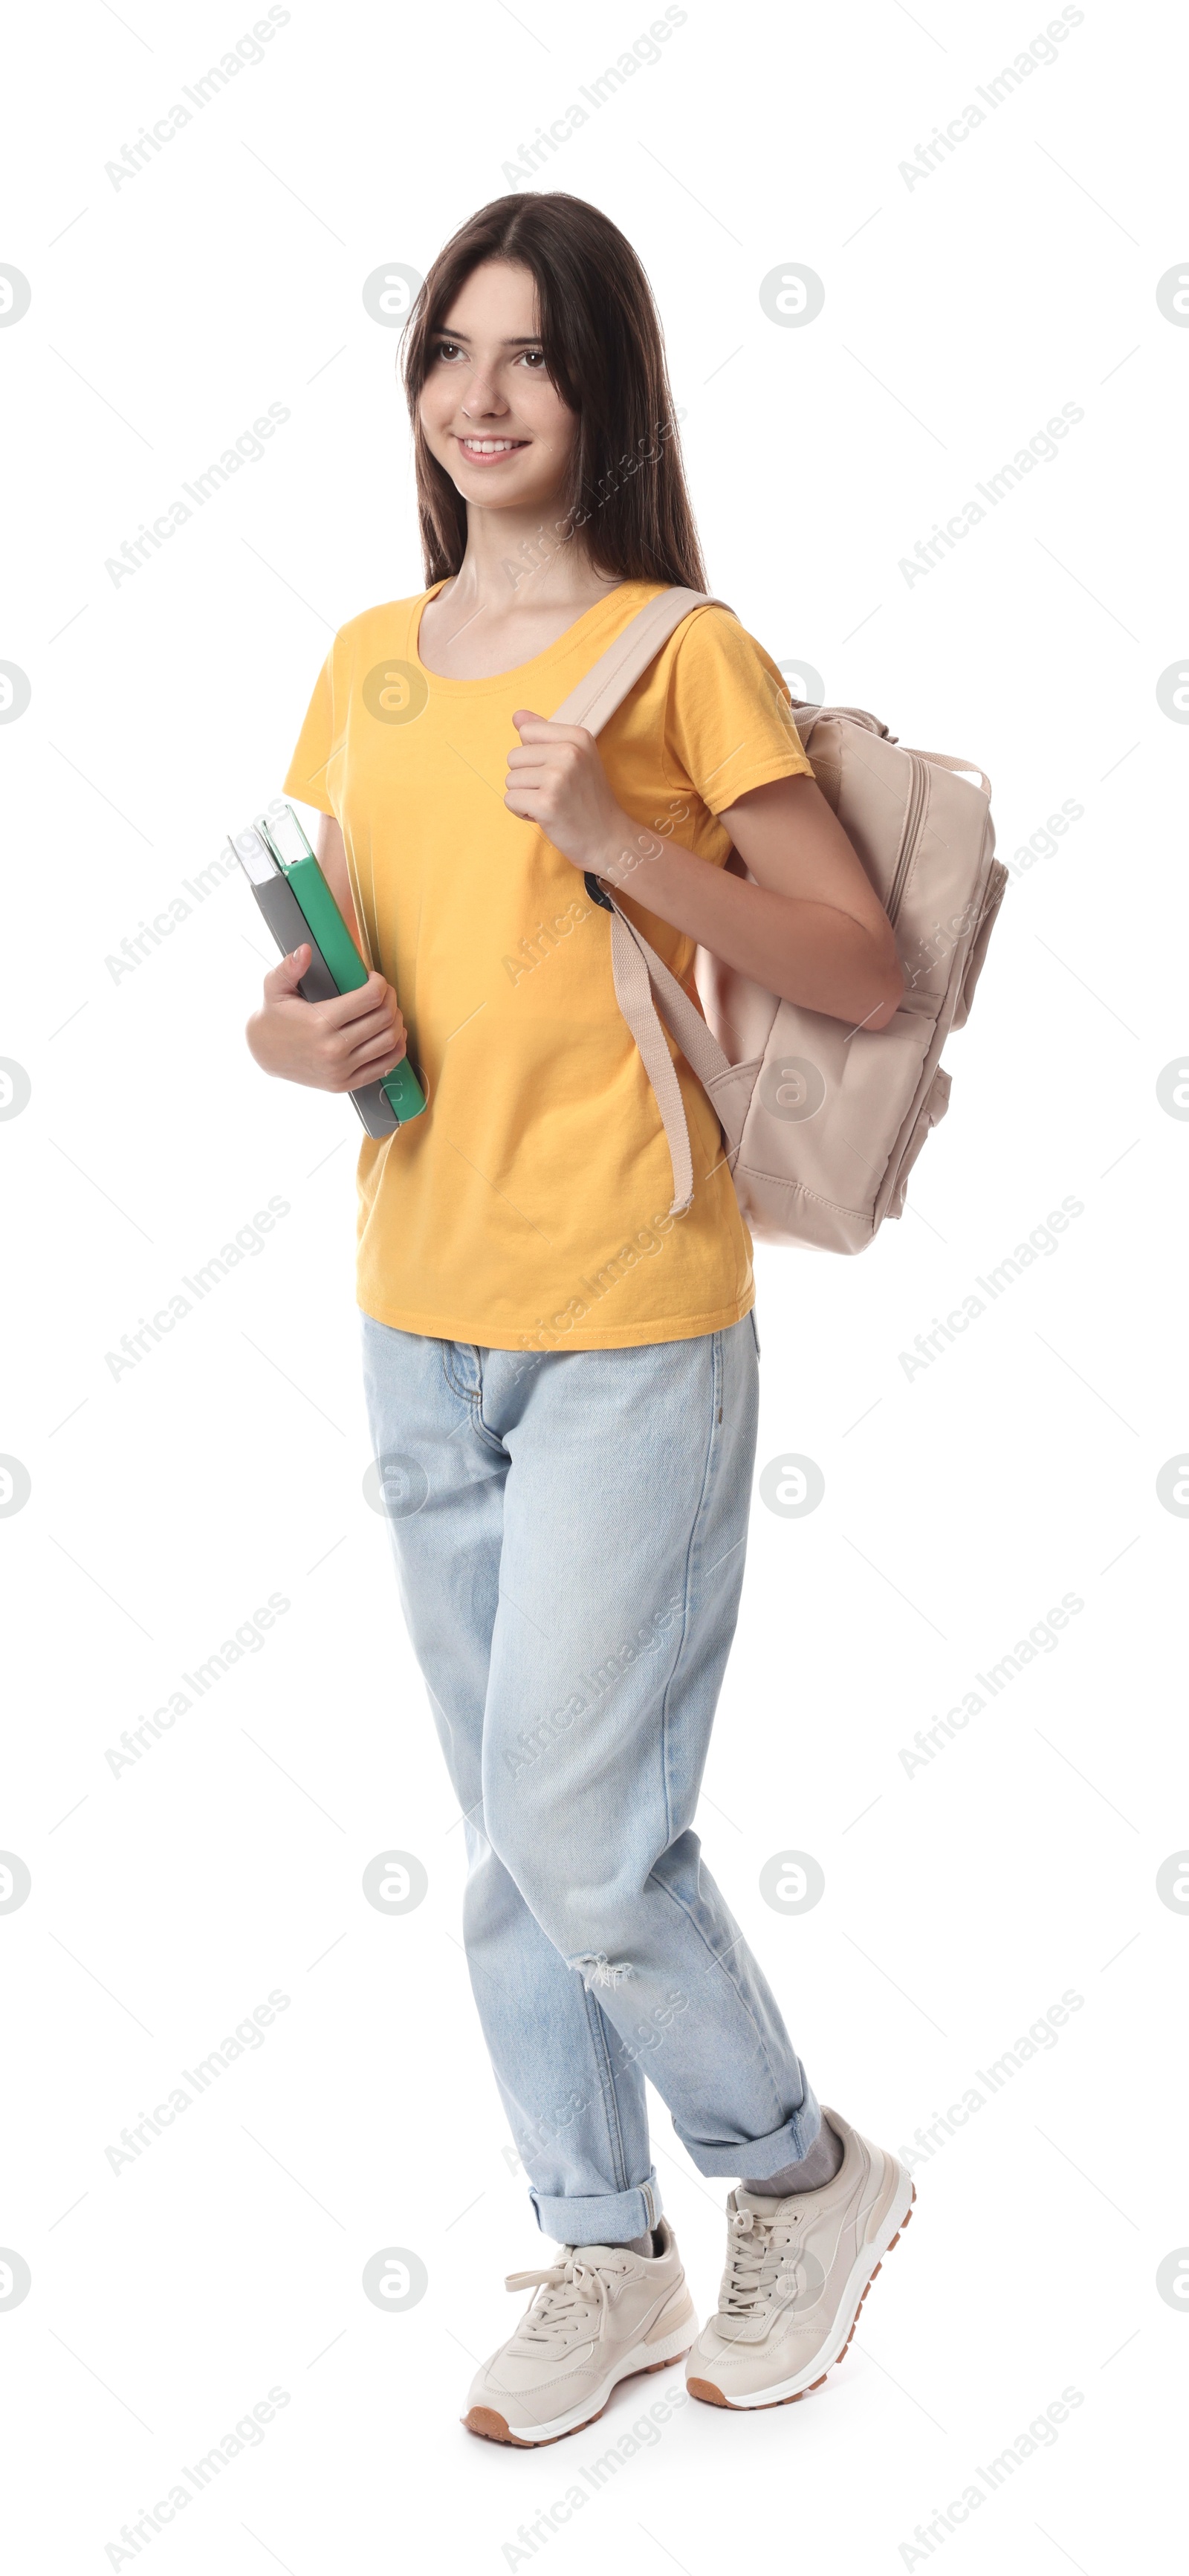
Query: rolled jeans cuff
point(611, 2219)
point(758, 2157)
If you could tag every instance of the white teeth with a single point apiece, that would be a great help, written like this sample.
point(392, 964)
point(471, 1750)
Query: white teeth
point(491, 446)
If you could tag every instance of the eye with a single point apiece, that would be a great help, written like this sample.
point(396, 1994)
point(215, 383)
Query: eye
point(534, 360)
point(445, 349)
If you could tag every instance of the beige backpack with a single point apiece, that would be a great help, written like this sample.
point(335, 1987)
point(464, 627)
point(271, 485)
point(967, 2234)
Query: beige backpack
point(822, 1123)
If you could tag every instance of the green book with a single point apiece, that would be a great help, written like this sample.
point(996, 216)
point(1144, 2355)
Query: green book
point(297, 904)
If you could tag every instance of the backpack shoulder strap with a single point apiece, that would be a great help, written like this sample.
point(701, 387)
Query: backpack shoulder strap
point(617, 670)
point(642, 980)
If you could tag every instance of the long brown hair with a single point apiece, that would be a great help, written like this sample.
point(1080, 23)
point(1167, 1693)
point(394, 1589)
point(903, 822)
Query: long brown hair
point(601, 338)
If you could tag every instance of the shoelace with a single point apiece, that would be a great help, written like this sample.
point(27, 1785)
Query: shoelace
point(761, 2261)
point(566, 2290)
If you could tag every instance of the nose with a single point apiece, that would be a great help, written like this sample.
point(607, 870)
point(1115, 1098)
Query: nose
point(483, 399)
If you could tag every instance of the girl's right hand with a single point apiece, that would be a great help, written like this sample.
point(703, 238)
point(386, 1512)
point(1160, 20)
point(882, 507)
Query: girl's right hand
point(333, 1046)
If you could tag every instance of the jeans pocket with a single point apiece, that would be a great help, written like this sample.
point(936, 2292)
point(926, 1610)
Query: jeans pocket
point(755, 1330)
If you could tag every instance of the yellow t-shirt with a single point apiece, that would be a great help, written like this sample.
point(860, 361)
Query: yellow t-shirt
point(528, 1207)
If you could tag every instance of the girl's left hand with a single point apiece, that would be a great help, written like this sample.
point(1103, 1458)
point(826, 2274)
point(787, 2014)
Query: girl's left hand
point(556, 780)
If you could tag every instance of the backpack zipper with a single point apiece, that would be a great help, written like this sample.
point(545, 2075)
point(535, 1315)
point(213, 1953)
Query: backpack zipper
point(917, 789)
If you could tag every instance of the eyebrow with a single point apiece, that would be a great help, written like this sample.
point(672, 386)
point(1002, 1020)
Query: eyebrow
point(445, 332)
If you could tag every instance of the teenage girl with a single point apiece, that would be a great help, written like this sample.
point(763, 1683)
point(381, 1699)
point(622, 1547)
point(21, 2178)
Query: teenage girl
point(561, 1375)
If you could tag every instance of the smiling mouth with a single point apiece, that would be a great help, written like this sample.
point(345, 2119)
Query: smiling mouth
point(491, 446)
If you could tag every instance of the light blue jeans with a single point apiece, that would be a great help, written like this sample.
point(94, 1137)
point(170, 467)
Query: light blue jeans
point(570, 1530)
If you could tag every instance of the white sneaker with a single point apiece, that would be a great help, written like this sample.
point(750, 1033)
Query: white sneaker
point(600, 2314)
point(798, 2271)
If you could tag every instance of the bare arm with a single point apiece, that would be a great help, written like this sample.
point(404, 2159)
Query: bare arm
point(811, 928)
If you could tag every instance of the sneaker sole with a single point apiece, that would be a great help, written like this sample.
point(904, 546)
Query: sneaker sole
point(493, 2427)
point(706, 2390)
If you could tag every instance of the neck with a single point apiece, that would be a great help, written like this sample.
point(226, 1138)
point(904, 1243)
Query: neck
point(523, 558)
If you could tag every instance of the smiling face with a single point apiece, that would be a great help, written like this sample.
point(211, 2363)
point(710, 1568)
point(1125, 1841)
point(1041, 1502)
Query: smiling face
point(488, 410)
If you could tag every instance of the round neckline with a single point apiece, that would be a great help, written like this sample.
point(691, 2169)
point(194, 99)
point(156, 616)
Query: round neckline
point(517, 670)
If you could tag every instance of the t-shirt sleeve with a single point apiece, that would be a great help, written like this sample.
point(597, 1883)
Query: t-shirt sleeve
point(305, 777)
point(729, 723)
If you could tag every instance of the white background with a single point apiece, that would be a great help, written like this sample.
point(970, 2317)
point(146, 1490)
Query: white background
point(961, 1899)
